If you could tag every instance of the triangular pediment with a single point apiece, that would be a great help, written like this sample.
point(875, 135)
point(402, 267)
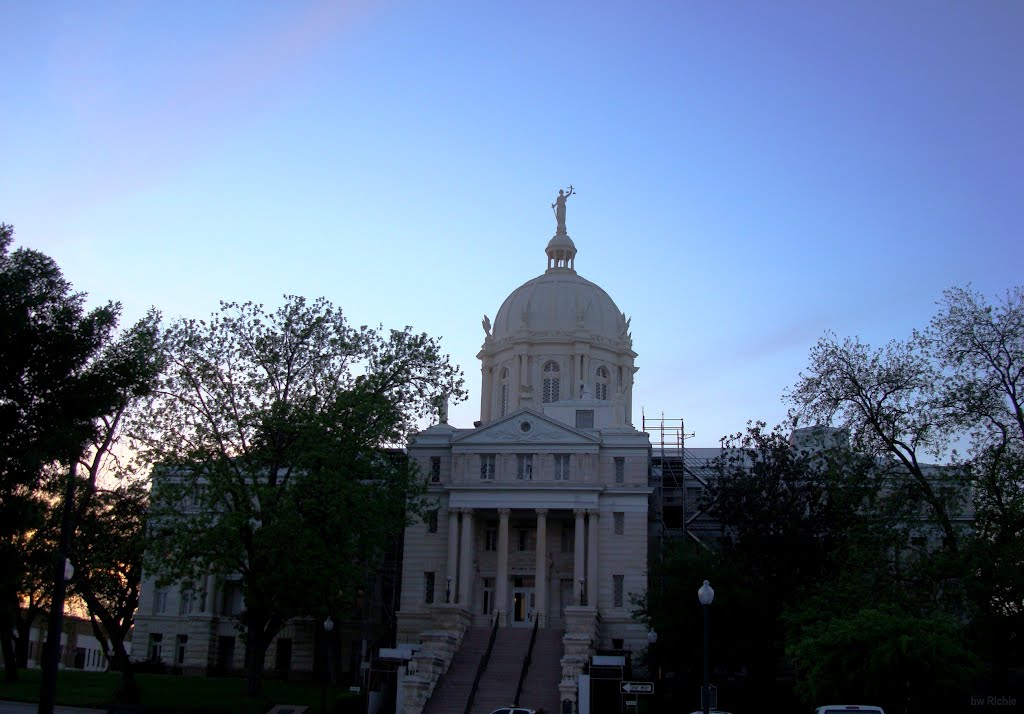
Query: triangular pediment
point(526, 426)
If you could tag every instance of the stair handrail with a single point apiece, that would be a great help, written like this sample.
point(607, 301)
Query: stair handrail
point(482, 666)
point(526, 662)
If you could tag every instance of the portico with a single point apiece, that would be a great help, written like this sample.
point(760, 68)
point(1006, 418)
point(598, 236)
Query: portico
point(488, 564)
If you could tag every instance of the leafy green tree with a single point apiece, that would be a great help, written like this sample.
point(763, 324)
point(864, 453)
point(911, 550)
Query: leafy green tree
point(269, 439)
point(959, 380)
point(108, 553)
point(62, 370)
point(792, 515)
point(903, 660)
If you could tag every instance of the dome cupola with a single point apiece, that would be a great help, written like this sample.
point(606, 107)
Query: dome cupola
point(558, 326)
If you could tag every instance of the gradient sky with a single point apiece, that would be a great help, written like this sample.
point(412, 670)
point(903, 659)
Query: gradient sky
point(748, 175)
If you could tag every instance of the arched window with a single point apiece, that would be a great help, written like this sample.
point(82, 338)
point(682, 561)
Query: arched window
point(601, 386)
point(551, 382)
point(504, 391)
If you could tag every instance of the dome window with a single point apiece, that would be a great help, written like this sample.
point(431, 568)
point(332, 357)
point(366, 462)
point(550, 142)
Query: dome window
point(551, 382)
point(601, 387)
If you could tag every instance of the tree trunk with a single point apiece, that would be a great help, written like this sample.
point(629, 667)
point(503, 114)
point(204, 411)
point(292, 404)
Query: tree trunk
point(129, 692)
point(24, 630)
point(50, 663)
point(255, 651)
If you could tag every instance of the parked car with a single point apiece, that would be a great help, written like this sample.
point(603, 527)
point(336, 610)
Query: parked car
point(514, 710)
point(848, 709)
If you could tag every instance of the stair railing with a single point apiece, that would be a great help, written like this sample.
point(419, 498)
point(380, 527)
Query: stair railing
point(526, 662)
point(483, 665)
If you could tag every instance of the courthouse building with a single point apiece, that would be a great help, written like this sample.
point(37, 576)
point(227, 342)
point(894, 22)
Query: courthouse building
point(542, 507)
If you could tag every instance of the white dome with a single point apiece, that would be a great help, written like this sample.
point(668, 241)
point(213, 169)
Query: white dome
point(560, 303)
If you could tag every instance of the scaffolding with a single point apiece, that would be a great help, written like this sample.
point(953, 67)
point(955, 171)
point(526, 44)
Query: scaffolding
point(678, 479)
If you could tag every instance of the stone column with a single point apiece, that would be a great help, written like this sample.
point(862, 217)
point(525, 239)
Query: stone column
point(501, 577)
point(540, 581)
point(577, 563)
point(466, 561)
point(452, 566)
point(592, 558)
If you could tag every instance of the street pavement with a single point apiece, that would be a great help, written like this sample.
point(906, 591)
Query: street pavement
point(29, 708)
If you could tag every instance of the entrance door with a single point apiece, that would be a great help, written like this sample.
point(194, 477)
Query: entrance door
point(523, 602)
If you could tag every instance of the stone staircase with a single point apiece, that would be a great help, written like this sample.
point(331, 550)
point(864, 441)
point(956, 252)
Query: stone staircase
point(500, 679)
point(452, 690)
point(540, 690)
point(498, 682)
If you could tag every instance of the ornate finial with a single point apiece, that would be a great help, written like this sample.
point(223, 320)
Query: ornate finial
point(559, 208)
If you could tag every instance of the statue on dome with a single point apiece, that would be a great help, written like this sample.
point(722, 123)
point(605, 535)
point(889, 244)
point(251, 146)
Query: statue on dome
point(486, 322)
point(559, 208)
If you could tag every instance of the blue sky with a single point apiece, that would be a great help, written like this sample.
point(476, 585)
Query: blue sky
point(749, 175)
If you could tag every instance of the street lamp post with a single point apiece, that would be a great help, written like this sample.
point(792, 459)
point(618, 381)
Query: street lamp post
point(328, 627)
point(706, 595)
point(652, 639)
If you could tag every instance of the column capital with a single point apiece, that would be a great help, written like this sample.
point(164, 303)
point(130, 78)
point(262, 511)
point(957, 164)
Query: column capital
point(579, 512)
point(541, 511)
point(465, 511)
point(593, 513)
point(504, 512)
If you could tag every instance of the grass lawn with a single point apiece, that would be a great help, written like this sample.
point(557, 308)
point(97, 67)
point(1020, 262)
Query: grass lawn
point(170, 694)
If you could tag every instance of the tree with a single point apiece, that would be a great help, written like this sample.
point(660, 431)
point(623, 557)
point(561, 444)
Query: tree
point(959, 379)
point(904, 660)
point(110, 544)
point(58, 373)
point(792, 515)
point(263, 423)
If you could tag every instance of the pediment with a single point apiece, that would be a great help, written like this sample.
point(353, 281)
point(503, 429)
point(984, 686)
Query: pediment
point(526, 426)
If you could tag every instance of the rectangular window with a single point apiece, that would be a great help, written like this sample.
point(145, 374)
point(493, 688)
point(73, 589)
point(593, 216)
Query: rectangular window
point(491, 536)
point(568, 538)
point(179, 657)
point(159, 601)
point(584, 418)
point(428, 587)
point(435, 469)
point(620, 522)
point(156, 646)
point(524, 467)
point(187, 599)
point(620, 470)
point(486, 467)
point(562, 467)
point(617, 590)
point(432, 521)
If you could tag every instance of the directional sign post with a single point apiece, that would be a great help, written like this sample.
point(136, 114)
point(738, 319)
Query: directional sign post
point(636, 687)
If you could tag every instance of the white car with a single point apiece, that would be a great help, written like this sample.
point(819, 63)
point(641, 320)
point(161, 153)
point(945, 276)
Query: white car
point(514, 710)
point(848, 709)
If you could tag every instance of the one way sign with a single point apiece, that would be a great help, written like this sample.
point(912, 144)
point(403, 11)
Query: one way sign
point(636, 687)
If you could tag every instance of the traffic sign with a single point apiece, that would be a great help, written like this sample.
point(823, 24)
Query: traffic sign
point(636, 687)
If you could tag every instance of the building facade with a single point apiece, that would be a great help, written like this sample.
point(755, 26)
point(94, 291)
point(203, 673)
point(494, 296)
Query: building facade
point(542, 507)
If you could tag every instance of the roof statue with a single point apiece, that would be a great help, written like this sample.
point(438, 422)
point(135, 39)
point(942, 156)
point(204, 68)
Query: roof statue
point(559, 208)
point(486, 322)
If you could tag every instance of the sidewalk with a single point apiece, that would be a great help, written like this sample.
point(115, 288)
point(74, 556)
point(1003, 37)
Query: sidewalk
point(30, 708)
